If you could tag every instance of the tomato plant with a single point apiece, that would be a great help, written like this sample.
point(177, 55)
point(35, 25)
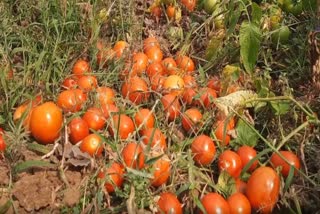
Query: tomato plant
point(203, 149)
point(278, 161)
point(169, 203)
point(46, 122)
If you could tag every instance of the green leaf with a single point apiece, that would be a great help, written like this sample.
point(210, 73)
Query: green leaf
point(4, 208)
point(36, 147)
point(289, 179)
point(246, 134)
point(21, 167)
point(280, 107)
point(153, 160)
point(256, 14)
point(226, 183)
point(233, 16)
point(140, 173)
point(199, 204)
point(248, 165)
point(250, 40)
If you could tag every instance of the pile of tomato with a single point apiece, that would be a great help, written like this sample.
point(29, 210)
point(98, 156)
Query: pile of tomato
point(156, 93)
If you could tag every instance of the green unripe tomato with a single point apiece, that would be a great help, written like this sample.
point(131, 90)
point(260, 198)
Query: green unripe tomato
point(291, 6)
point(281, 35)
point(210, 5)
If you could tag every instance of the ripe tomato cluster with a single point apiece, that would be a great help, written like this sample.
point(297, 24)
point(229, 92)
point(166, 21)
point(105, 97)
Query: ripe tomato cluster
point(156, 92)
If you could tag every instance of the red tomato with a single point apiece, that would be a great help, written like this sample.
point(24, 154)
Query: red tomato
point(214, 83)
point(46, 122)
point(80, 68)
point(214, 203)
point(155, 138)
point(123, 125)
point(230, 162)
point(108, 110)
point(239, 204)
point(78, 130)
point(140, 63)
point(189, 4)
point(174, 85)
point(169, 66)
point(189, 81)
point(185, 63)
point(119, 48)
point(221, 132)
point(170, 11)
point(2, 144)
point(149, 43)
point(203, 150)
point(69, 83)
point(247, 153)
point(241, 186)
point(171, 106)
point(155, 69)
point(136, 89)
point(169, 203)
point(92, 144)
point(94, 118)
point(87, 83)
point(277, 161)
point(113, 177)
point(191, 120)
point(105, 95)
point(263, 189)
point(156, 11)
point(144, 118)
point(157, 82)
point(188, 95)
point(133, 156)
point(154, 54)
point(161, 171)
point(71, 100)
point(207, 97)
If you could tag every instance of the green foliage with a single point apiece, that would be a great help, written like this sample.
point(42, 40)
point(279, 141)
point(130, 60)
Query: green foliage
point(246, 134)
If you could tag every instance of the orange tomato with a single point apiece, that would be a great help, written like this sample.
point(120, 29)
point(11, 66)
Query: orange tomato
point(87, 83)
point(161, 171)
point(119, 48)
point(185, 63)
point(105, 95)
point(71, 100)
point(188, 95)
point(246, 154)
point(2, 144)
point(94, 118)
point(108, 110)
point(154, 54)
point(214, 83)
point(136, 89)
point(157, 82)
point(171, 106)
point(103, 56)
point(155, 69)
point(221, 131)
point(145, 118)
point(80, 68)
point(169, 66)
point(69, 83)
point(203, 149)
point(112, 176)
point(241, 186)
point(92, 144)
point(155, 138)
point(149, 43)
point(173, 85)
point(169, 203)
point(189, 4)
point(156, 11)
point(230, 162)
point(207, 96)
point(78, 130)
point(190, 81)
point(122, 125)
point(140, 63)
point(171, 11)
point(191, 120)
point(133, 156)
point(46, 122)
point(278, 161)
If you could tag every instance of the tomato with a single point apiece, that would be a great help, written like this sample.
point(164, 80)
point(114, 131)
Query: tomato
point(136, 89)
point(214, 203)
point(105, 95)
point(241, 186)
point(239, 204)
point(210, 6)
point(149, 43)
point(154, 54)
point(171, 106)
point(155, 138)
point(155, 69)
point(119, 48)
point(203, 149)
point(80, 68)
point(281, 35)
point(189, 81)
point(189, 4)
point(92, 144)
point(144, 118)
point(291, 6)
point(2, 144)
point(171, 12)
point(169, 203)
point(112, 176)
point(185, 63)
point(247, 153)
point(94, 118)
point(156, 11)
point(71, 100)
point(157, 82)
point(293, 160)
point(87, 83)
point(78, 130)
point(140, 63)
point(214, 83)
point(173, 85)
point(122, 125)
point(46, 122)
point(207, 96)
point(230, 162)
point(133, 156)
point(188, 95)
point(169, 65)
point(221, 132)
point(109, 109)
point(161, 171)
point(191, 120)
point(103, 56)
point(263, 189)
point(69, 83)
point(25, 111)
